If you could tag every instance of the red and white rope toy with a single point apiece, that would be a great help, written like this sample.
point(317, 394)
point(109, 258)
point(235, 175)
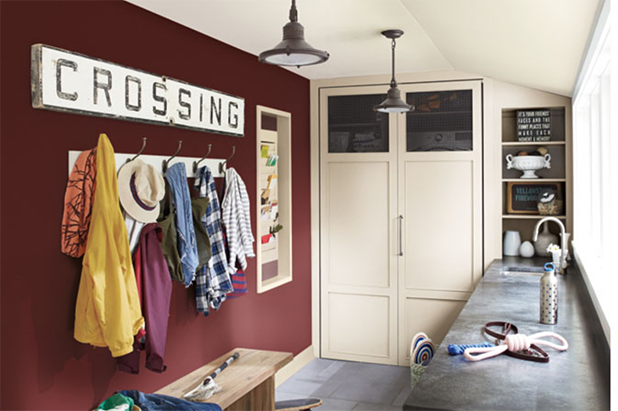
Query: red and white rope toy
point(515, 343)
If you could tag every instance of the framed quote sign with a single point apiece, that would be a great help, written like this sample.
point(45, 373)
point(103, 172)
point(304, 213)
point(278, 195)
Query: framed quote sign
point(522, 197)
point(65, 81)
point(534, 125)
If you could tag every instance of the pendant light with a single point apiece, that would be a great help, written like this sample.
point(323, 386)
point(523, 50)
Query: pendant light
point(293, 50)
point(393, 102)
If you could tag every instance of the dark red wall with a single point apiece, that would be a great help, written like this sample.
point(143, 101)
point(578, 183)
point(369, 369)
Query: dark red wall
point(43, 367)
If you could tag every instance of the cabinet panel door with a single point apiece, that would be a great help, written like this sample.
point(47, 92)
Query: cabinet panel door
point(440, 199)
point(358, 262)
point(438, 225)
point(358, 227)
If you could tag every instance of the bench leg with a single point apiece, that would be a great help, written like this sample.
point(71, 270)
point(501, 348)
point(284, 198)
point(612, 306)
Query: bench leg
point(261, 398)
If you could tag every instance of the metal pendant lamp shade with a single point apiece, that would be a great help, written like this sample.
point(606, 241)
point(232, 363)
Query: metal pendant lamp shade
point(393, 102)
point(293, 50)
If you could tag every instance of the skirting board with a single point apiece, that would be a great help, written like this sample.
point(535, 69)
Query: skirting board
point(292, 368)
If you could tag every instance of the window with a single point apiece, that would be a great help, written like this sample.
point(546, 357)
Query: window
point(594, 171)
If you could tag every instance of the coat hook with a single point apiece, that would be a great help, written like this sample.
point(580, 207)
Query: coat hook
point(140, 152)
point(166, 162)
point(197, 163)
point(222, 164)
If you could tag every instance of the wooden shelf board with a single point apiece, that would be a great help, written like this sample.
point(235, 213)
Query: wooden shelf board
point(530, 216)
point(533, 143)
point(359, 124)
point(540, 180)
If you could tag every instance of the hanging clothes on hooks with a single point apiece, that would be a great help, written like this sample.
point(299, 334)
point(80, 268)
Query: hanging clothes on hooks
point(169, 242)
point(236, 216)
point(176, 177)
point(212, 283)
point(134, 229)
point(155, 291)
point(78, 200)
point(107, 311)
point(199, 207)
point(140, 189)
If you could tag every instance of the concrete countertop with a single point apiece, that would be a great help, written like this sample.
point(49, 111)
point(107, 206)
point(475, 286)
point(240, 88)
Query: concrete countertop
point(577, 379)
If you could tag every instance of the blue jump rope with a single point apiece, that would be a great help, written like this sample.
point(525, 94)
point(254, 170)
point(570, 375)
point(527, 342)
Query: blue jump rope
point(458, 349)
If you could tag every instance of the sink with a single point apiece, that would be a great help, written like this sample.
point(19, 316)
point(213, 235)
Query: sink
point(522, 271)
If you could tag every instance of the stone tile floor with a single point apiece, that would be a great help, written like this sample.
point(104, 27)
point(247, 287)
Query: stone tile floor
point(343, 385)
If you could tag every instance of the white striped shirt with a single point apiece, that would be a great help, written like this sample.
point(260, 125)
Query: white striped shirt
point(236, 216)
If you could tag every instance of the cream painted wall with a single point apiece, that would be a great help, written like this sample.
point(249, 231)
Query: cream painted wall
point(497, 95)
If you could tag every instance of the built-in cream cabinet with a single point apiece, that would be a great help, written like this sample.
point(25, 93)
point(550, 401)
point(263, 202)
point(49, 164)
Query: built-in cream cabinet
point(400, 216)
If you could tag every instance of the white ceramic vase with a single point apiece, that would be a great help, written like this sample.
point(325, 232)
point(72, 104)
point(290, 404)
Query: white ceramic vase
point(528, 164)
point(526, 249)
point(512, 241)
point(544, 239)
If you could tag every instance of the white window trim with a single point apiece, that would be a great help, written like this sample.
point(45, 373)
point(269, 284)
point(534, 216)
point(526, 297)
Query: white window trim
point(586, 254)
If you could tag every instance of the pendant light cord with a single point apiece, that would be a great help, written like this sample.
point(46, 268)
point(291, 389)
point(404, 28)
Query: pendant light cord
point(293, 12)
point(393, 82)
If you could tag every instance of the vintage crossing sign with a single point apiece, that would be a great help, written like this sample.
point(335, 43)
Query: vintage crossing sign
point(65, 81)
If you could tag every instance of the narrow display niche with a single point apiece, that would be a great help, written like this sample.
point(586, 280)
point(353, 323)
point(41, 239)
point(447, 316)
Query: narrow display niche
point(522, 215)
point(274, 198)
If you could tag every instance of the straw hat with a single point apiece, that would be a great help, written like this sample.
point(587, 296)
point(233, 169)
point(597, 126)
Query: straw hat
point(140, 188)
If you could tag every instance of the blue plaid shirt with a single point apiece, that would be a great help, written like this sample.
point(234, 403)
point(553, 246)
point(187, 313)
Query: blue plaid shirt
point(213, 281)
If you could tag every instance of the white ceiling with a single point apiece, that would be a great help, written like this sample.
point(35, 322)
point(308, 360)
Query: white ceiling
point(535, 43)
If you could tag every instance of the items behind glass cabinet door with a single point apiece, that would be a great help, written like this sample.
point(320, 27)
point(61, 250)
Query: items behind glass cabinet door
point(354, 127)
point(442, 121)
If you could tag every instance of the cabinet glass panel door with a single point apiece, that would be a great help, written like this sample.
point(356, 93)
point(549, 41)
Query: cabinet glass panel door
point(440, 197)
point(358, 206)
point(441, 121)
point(353, 126)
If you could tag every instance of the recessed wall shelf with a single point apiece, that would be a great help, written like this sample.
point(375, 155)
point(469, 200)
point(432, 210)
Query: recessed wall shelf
point(534, 143)
point(538, 180)
point(274, 198)
point(560, 172)
point(530, 216)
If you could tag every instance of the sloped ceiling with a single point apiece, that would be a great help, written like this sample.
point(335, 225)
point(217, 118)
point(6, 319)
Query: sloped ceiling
point(535, 43)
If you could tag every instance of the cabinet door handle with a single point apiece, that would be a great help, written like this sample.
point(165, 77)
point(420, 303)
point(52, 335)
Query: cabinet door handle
point(400, 229)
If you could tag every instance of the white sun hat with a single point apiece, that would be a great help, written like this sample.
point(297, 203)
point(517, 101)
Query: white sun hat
point(140, 188)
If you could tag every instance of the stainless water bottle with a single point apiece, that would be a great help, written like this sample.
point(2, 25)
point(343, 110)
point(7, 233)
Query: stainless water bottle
point(549, 295)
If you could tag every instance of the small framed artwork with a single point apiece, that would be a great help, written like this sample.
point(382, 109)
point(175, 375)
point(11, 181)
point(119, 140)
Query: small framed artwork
point(534, 125)
point(523, 197)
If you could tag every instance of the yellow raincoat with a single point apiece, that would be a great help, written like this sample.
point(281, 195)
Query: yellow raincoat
point(107, 313)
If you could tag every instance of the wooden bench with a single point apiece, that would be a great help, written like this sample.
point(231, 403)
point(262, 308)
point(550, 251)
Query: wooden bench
point(247, 384)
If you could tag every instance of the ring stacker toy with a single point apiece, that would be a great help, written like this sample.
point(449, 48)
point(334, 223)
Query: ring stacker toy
point(421, 352)
point(422, 349)
point(516, 345)
point(207, 388)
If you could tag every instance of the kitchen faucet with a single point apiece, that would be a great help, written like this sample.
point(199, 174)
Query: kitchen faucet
point(563, 238)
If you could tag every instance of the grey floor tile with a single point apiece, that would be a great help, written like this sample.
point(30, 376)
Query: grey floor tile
point(285, 396)
point(343, 385)
point(319, 369)
point(330, 404)
point(362, 391)
point(403, 395)
point(363, 406)
point(316, 366)
point(328, 388)
point(371, 383)
point(299, 386)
